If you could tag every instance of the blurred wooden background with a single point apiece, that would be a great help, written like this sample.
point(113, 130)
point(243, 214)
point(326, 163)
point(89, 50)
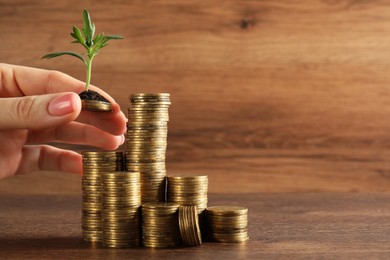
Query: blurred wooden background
point(268, 96)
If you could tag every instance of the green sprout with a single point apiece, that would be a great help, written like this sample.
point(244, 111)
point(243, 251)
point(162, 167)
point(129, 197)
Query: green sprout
point(92, 45)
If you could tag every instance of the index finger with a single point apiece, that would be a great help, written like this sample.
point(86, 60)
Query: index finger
point(26, 81)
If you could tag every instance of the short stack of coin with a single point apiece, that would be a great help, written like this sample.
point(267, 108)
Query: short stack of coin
point(160, 224)
point(147, 142)
point(189, 226)
point(188, 190)
point(121, 201)
point(95, 163)
point(227, 224)
point(94, 105)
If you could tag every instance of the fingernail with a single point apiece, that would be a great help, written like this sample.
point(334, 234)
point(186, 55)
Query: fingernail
point(123, 139)
point(62, 105)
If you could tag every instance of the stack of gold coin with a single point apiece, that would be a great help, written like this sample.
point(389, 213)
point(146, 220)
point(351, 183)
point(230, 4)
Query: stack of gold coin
point(95, 163)
point(121, 201)
point(147, 142)
point(189, 226)
point(160, 224)
point(227, 224)
point(188, 190)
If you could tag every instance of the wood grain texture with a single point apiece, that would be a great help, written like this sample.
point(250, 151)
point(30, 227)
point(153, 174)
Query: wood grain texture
point(293, 94)
point(281, 226)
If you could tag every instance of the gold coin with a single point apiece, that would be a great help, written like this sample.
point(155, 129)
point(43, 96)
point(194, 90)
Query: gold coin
point(101, 154)
point(96, 106)
point(135, 95)
point(189, 226)
point(227, 210)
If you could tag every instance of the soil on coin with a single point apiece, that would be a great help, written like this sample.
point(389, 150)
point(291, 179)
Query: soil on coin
point(92, 95)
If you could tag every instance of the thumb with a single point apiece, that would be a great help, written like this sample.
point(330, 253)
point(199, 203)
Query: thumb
point(39, 112)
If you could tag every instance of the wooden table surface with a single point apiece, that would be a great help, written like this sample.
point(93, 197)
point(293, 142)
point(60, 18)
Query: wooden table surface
point(281, 226)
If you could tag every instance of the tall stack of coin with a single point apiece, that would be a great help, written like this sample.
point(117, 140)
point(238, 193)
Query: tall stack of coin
point(160, 224)
point(121, 201)
point(227, 224)
point(147, 142)
point(188, 190)
point(189, 226)
point(95, 163)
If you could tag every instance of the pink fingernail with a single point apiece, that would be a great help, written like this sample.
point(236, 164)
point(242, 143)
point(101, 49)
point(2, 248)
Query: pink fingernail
point(123, 139)
point(62, 105)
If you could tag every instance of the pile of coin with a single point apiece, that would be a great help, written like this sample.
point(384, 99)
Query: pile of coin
point(188, 190)
point(121, 201)
point(227, 224)
point(160, 224)
point(147, 142)
point(95, 163)
point(112, 198)
point(189, 226)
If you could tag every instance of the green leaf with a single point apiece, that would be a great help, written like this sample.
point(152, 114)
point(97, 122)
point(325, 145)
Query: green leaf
point(113, 37)
point(88, 29)
point(93, 30)
point(57, 54)
point(77, 35)
point(101, 45)
point(98, 38)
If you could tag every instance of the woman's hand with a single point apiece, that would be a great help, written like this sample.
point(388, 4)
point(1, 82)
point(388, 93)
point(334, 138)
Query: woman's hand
point(39, 106)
